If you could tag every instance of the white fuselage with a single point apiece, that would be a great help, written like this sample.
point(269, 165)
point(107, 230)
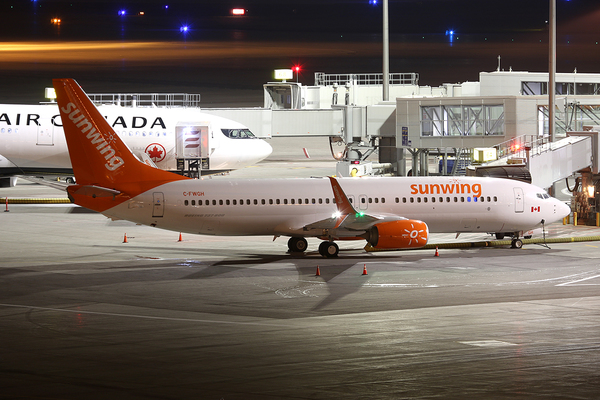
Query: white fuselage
point(286, 206)
point(32, 137)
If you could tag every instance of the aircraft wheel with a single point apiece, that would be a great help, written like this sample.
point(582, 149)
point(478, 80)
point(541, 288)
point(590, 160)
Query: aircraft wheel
point(70, 180)
point(499, 235)
point(516, 244)
point(329, 249)
point(297, 245)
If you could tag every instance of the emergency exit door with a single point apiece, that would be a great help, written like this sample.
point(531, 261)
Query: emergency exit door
point(158, 210)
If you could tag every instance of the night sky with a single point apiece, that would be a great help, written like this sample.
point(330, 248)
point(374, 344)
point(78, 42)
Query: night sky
point(228, 58)
point(99, 20)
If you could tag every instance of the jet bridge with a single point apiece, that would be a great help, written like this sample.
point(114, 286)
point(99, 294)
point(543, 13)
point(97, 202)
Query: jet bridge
point(551, 161)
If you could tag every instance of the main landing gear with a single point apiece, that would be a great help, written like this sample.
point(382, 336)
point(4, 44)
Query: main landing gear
point(326, 249)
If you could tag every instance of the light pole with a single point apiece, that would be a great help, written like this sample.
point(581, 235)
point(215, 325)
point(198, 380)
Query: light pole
point(552, 72)
point(386, 52)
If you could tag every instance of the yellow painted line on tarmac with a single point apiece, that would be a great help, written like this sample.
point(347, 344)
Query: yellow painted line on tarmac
point(36, 200)
point(495, 243)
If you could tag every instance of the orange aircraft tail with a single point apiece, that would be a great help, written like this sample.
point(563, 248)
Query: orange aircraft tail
point(106, 171)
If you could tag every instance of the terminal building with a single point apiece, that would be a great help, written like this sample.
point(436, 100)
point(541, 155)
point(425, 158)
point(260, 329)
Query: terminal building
point(501, 120)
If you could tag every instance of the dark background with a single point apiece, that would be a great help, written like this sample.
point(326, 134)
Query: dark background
point(320, 36)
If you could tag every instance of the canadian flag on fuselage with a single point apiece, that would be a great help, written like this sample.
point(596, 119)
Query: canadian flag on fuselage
point(99, 157)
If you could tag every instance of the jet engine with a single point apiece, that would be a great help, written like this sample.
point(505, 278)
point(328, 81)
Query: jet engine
point(402, 234)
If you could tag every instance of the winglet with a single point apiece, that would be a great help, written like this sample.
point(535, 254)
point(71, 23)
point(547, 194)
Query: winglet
point(98, 156)
point(341, 200)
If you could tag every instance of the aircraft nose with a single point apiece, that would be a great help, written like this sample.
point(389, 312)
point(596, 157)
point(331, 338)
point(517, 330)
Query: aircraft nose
point(265, 150)
point(564, 209)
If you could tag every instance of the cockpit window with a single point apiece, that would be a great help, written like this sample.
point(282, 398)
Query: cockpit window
point(543, 195)
point(238, 133)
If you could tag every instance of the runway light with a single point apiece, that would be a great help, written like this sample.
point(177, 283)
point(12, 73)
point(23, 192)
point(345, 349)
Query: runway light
point(122, 12)
point(238, 11)
point(184, 29)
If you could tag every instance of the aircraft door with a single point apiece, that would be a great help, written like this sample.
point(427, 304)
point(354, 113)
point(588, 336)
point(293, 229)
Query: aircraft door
point(363, 202)
point(158, 209)
point(192, 141)
point(519, 200)
point(45, 136)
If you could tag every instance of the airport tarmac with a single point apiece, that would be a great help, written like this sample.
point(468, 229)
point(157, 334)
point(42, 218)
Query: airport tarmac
point(84, 315)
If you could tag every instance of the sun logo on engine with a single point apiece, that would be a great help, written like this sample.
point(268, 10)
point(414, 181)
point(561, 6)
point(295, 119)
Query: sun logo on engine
point(414, 234)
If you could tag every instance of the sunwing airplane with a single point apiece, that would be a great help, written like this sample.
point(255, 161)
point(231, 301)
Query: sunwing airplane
point(390, 213)
point(32, 140)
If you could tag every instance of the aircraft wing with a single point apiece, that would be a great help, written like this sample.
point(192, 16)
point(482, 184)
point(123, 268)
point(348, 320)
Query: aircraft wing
point(346, 217)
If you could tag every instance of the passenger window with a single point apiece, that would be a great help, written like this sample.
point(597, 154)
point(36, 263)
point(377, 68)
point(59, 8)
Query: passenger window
point(285, 201)
point(376, 199)
point(425, 199)
point(327, 201)
point(220, 202)
point(383, 199)
point(418, 199)
point(270, 201)
point(247, 202)
point(255, 202)
point(495, 199)
point(397, 200)
point(277, 201)
point(186, 202)
point(412, 199)
point(293, 201)
point(404, 199)
point(227, 202)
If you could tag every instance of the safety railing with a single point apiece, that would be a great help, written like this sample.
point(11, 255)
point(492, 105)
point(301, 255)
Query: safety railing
point(322, 79)
point(147, 99)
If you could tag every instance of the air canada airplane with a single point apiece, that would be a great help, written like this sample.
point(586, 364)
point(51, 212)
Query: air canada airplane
point(32, 140)
point(387, 212)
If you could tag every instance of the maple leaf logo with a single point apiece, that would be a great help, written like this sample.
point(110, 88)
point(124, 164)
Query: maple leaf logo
point(156, 152)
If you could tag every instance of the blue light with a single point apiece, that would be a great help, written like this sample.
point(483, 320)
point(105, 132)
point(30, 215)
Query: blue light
point(184, 29)
point(122, 12)
point(373, 2)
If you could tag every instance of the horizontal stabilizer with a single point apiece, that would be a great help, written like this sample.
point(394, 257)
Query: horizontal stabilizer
point(95, 191)
point(41, 181)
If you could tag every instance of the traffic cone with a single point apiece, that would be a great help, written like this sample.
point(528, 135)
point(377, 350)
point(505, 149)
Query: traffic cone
point(318, 271)
point(437, 253)
point(180, 238)
point(125, 239)
point(365, 269)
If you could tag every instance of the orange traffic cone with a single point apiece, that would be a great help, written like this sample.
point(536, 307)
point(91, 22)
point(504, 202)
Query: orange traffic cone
point(365, 270)
point(125, 239)
point(437, 253)
point(318, 271)
point(180, 238)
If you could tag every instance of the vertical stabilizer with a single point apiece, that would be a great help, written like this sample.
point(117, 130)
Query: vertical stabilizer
point(99, 157)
